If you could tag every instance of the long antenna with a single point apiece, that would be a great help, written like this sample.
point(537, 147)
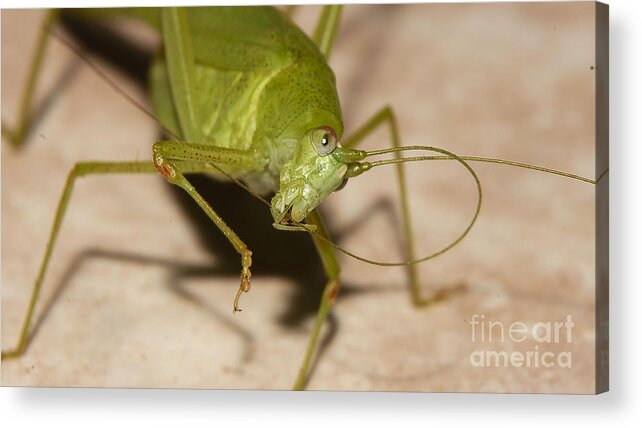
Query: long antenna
point(365, 166)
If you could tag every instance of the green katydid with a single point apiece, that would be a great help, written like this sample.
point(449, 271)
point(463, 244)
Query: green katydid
point(319, 129)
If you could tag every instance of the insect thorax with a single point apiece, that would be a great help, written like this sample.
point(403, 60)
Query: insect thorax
point(263, 106)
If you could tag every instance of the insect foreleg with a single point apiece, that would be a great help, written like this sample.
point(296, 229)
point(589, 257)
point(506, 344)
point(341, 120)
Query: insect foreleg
point(330, 292)
point(387, 116)
point(79, 170)
point(169, 158)
point(16, 135)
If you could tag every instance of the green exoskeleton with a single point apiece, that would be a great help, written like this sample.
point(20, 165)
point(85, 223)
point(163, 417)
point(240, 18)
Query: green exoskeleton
point(243, 93)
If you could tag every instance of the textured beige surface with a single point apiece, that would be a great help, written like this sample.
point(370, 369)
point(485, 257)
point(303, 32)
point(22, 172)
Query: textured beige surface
point(140, 290)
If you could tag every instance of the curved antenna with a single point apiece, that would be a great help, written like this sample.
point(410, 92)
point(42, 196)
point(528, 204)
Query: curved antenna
point(495, 161)
point(525, 166)
point(359, 168)
point(365, 166)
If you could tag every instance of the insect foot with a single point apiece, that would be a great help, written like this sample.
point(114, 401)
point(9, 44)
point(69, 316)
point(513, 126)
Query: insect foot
point(12, 353)
point(246, 262)
point(438, 295)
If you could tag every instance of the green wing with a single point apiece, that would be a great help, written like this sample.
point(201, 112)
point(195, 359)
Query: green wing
point(239, 38)
point(229, 38)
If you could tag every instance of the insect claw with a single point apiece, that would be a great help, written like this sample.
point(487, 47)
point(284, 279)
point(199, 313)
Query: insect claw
point(243, 288)
point(236, 300)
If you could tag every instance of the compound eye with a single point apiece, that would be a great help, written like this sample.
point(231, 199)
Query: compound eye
point(324, 140)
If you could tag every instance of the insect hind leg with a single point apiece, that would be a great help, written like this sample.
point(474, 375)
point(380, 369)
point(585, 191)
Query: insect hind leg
point(16, 135)
point(79, 170)
point(386, 116)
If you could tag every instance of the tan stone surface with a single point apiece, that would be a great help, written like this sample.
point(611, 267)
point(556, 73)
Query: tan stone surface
point(140, 290)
